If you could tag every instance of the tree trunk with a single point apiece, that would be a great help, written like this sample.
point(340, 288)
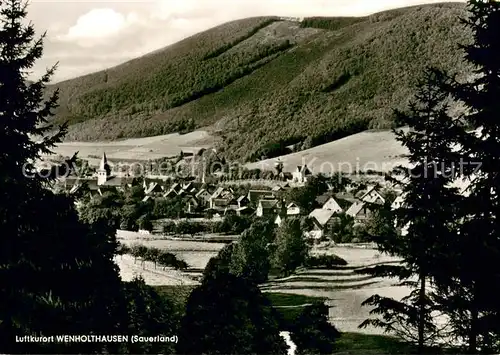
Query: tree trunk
point(473, 324)
point(421, 320)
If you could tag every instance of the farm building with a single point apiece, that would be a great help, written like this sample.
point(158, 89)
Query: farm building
point(268, 207)
point(254, 196)
point(292, 209)
point(321, 218)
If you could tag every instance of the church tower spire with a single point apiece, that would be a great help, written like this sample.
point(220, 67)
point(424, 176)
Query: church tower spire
point(104, 170)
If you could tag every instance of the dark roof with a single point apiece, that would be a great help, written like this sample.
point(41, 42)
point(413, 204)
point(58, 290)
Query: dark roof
point(304, 169)
point(193, 200)
point(345, 196)
point(241, 198)
point(117, 181)
point(256, 195)
point(91, 183)
point(322, 199)
point(268, 204)
point(345, 199)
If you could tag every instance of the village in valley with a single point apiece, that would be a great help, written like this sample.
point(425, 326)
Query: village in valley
point(278, 185)
point(336, 195)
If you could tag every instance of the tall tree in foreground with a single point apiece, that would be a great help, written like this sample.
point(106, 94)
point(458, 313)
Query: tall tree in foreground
point(251, 257)
point(427, 214)
point(57, 275)
point(291, 248)
point(149, 315)
point(229, 315)
point(474, 307)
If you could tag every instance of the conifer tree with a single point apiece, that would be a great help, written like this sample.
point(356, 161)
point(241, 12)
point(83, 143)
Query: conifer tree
point(291, 248)
point(473, 298)
point(427, 213)
point(229, 315)
point(57, 274)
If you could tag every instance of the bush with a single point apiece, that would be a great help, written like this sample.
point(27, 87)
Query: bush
point(192, 228)
point(324, 261)
point(312, 332)
point(123, 249)
point(169, 227)
point(138, 251)
point(145, 223)
point(233, 224)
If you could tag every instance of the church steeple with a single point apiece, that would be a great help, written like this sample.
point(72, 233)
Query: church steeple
point(104, 170)
point(104, 162)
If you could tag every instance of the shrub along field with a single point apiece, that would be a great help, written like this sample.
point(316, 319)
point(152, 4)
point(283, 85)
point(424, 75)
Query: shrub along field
point(266, 84)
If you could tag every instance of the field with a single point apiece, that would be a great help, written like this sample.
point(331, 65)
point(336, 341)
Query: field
point(196, 254)
point(138, 148)
point(342, 287)
point(370, 150)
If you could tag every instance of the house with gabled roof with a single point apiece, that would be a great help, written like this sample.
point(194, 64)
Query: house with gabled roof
point(292, 209)
point(332, 205)
point(170, 193)
point(254, 196)
point(361, 210)
point(193, 205)
point(176, 187)
point(322, 219)
point(268, 207)
point(222, 196)
point(301, 174)
point(279, 220)
point(372, 195)
point(154, 188)
point(328, 201)
point(242, 201)
point(203, 196)
point(398, 202)
point(244, 211)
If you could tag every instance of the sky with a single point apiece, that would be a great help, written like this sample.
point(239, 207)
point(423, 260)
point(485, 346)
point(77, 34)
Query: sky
point(87, 36)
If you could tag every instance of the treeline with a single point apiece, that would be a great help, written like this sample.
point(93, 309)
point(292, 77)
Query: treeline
point(155, 255)
point(230, 225)
point(282, 147)
point(215, 53)
point(330, 23)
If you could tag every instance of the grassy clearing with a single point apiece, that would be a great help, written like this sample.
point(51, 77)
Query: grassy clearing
point(347, 344)
point(363, 344)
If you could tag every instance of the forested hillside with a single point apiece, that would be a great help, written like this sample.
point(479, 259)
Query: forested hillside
point(265, 83)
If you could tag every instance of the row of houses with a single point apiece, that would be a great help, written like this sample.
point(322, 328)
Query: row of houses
point(358, 206)
point(224, 200)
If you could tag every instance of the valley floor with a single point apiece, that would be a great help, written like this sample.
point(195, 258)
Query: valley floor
point(344, 289)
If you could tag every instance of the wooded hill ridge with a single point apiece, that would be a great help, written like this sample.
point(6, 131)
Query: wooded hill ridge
point(265, 83)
